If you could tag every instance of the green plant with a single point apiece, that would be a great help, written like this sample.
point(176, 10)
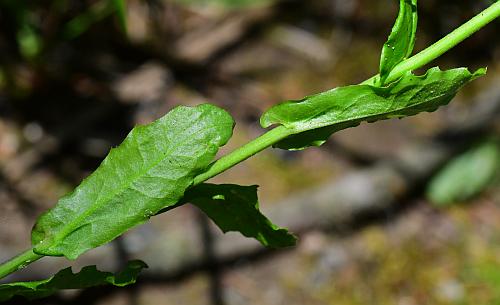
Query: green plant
point(466, 175)
point(163, 165)
point(27, 22)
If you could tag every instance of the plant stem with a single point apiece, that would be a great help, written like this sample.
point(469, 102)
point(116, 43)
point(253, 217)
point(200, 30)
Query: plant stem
point(18, 262)
point(279, 133)
point(443, 45)
point(244, 152)
point(424, 57)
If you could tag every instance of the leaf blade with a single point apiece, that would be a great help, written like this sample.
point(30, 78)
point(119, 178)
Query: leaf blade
point(121, 12)
point(236, 208)
point(65, 279)
point(149, 171)
point(466, 175)
point(314, 118)
point(401, 40)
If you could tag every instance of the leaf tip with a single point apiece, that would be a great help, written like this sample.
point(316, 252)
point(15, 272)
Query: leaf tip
point(282, 239)
point(480, 72)
point(137, 264)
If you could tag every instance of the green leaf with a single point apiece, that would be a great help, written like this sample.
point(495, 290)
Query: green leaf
point(98, 11)
point(65, 279)
point(465, 176)
point(29, 41)
point(121, 12)
point(314, 118)
point(401, 41)
point(236, 208)
point(149, 171)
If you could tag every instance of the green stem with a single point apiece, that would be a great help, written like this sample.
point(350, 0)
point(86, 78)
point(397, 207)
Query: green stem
point(279, 133)
point(18, 262)
point(444, 44)
point(412, 63)
point(244, 152)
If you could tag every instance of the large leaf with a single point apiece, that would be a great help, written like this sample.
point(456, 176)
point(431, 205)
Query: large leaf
point(236, 208)
point(65, 279)
point(149, 171)
point(314, 118)
point(401, 41)
point(465, 176)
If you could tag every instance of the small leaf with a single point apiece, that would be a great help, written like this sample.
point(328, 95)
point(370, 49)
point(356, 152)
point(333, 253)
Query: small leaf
point(314, 118)
point(236, 208)
point(29, 41)
point(121, 12)
point(93, 14)
point(465, 176)
point(149, 171)
point(65, 279)
point(401, 41)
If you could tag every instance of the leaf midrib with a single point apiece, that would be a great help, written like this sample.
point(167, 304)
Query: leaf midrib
point(297, 125)
point(93, 207)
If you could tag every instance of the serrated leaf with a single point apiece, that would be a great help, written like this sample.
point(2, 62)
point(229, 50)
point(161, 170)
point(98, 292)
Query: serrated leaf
point(401, 41)
point(236, 208)
point(149, 171)
point(314, 118)
point(465, 176)
point(65, 279)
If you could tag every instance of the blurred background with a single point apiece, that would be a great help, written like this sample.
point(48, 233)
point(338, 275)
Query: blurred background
point(397, 212)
